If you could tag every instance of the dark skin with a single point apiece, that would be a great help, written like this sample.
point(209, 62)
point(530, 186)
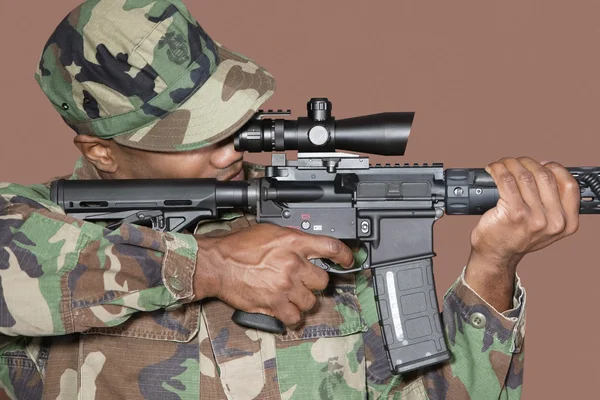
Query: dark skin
point(265, 268)
point(538, 205)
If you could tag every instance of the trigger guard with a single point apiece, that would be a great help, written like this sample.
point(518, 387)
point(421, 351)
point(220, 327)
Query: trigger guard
point(324, 265)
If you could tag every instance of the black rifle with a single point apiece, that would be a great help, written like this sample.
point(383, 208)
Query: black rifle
point(389, 210)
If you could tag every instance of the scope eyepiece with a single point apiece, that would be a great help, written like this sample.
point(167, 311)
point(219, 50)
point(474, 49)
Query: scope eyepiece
point(383, 133)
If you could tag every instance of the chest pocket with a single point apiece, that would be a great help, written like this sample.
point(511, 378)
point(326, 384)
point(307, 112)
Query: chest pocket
point(324, 354)
point(151, 356)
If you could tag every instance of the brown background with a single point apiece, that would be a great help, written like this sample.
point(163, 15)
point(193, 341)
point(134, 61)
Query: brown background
point(485, 80)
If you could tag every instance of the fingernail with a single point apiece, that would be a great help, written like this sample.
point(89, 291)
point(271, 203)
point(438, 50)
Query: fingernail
point(544, 162)
point(487, 169)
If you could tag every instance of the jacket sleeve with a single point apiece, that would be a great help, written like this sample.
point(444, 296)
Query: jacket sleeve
point(486, 349)
point(60, 275)
point(486, 345)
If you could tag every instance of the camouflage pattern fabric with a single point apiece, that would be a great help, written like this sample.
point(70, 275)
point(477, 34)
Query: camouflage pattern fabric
point(145, 73)
point(88, 313)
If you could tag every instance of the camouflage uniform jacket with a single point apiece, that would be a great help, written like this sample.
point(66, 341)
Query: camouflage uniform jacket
point(89, 313)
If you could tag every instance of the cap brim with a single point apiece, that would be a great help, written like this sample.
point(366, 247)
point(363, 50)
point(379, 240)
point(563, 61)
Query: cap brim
point(221, 106)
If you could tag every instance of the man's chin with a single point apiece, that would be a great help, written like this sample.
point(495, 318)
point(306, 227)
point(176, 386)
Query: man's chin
point(238, 177)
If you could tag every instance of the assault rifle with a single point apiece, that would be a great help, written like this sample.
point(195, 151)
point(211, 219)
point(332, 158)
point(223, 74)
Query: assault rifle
point(390, 210)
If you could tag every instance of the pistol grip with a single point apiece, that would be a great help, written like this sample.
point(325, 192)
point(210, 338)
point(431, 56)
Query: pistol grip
point(409, 316)
point(262, 322)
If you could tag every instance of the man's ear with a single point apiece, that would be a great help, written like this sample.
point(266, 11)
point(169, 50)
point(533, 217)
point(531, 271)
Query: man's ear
point(100, 152)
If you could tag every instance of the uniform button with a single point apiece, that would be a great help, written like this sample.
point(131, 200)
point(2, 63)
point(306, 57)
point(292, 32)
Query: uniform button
point(477, 320)
point(176, 284)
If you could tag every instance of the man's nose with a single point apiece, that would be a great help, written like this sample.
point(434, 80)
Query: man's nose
point(226, 154)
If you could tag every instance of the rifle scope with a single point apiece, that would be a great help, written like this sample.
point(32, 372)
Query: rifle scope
point(383, 133)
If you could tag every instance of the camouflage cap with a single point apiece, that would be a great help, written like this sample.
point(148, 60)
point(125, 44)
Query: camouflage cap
point(145, 73)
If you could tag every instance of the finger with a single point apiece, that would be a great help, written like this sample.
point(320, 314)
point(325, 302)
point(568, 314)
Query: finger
point(570, 195)
point(302, 298)
point(549, 194)
point(312, 277)
point(287, 313)
point(319, 246)
point(506, 184)
point(526, 184)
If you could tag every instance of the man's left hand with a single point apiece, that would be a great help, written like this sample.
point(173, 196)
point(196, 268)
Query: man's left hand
point(538, 205)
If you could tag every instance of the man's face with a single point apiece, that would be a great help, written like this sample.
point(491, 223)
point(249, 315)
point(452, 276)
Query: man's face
point(113, 161)
point(219, 161)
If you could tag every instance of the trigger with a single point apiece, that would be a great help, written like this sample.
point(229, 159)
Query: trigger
point(320, 263)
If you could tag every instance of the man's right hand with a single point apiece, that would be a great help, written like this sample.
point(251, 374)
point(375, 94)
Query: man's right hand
point(265, 269)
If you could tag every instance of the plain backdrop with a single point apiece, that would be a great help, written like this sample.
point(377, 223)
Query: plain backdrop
point(486, 80)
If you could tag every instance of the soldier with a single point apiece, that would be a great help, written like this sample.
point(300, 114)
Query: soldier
point(87, 312)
